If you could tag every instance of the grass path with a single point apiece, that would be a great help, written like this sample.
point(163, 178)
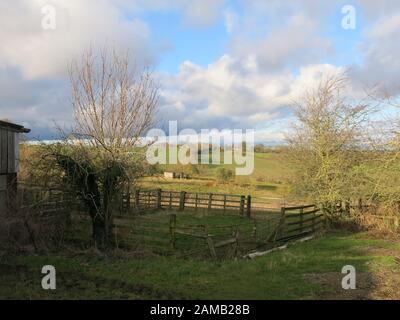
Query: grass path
point(304, 271)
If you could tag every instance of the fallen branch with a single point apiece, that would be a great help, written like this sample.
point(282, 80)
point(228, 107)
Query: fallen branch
point(262, 253)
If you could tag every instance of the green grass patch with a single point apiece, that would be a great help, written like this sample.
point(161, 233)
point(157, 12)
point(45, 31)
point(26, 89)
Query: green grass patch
point(279, 275)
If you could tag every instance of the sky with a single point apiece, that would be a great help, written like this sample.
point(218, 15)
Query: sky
point(230, 64)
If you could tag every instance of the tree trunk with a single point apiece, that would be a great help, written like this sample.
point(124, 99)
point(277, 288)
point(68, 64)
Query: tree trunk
point(99, 232)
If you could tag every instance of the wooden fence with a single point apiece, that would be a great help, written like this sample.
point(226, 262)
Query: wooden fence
point(168, 233)
point(298, 222)
point(181, 200)
point(293, 223)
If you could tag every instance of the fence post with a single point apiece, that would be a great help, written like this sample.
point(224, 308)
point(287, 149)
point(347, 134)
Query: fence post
point(248, 206)
point(242, 199)
point(159, 191)
point(224, 203)
point(255, 229)
point(128, 200)
point(137, 198)
point(314, 218)
point(172, 227)
point(195, 201)
point(283, 222)
point(182, 201)
point(210, 244)
point(301, 218)
point(236, 242)
point(210, 201)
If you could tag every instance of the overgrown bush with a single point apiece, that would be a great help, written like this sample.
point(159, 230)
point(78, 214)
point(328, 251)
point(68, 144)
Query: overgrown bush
point(31, 230)
point(224, 175)
point(326, 145)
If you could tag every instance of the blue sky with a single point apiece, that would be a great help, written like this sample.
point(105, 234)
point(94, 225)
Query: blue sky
point(200, 45)
point(221, 64)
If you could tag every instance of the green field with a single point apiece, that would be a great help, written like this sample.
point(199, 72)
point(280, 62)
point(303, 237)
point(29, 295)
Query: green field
point(151, 232)
point(303, 271)
point(268, 179)
point(143, 265)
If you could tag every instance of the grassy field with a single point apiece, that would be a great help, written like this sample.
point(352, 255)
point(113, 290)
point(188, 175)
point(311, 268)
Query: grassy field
point(151, 232)
point(303, 271)
point(269, 178)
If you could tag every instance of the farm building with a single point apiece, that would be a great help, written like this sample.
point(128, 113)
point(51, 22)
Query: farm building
point(9, 158)
point(176, 175)
point(169, 175)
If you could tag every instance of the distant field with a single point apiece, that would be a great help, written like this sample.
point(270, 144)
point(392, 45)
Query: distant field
point(268, 179)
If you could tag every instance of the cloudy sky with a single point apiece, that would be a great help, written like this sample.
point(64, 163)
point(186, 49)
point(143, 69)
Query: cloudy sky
point(221, 64)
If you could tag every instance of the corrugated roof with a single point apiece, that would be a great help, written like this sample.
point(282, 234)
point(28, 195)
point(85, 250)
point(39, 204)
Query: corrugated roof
point(13, 126)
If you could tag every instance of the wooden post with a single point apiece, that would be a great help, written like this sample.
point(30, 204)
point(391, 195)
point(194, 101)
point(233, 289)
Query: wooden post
point(195, 201)
point(313, 222)
point(137, 198)
point(210, 201)
point(172, 227)
point(255, 229)
point(182, 201)
point(170, 200)
point(242, 199)
point(128, 201)
point(224, 203)
point(236, 243)
point(301, 218)
point(248, 206)
point(159, 191)
point(210, 244)
point(282, 222)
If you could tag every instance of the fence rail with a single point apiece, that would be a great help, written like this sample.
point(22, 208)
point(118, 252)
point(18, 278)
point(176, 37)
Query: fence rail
point(300, 221)
point(236, 230)
point(233, 236)
point(181, 200)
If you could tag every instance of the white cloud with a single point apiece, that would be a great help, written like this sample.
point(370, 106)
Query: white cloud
point(381, 61)
point(293, 43)
point(276, 49)
point(45, 53)
point(201, 13)
point(237, 95)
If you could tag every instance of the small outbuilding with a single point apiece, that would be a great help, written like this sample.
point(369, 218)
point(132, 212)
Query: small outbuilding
point(176, 175)
point(9, 163)
point(169, 175)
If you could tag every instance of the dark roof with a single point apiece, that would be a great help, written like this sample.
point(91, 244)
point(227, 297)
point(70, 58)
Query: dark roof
point(13, 126)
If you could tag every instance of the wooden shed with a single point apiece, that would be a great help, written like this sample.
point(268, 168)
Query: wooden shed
point(9, 163)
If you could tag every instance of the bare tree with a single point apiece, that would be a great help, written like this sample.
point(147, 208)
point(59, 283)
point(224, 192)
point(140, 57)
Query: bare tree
point(327, 141)
point(114, 104)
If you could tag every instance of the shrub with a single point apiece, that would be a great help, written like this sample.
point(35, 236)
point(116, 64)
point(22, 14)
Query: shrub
point(224, 175)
